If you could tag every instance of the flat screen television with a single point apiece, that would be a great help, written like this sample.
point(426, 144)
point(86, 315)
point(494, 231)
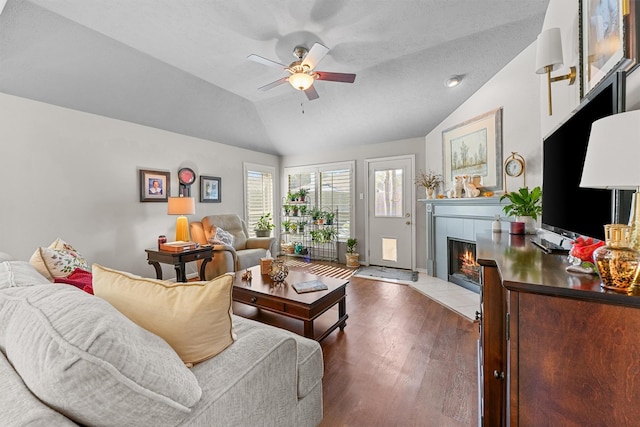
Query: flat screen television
point(567, 209)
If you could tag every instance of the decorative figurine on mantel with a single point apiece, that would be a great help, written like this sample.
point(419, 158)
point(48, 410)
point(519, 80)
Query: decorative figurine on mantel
point(430, 181)
point(456, 191)
point(470, 190)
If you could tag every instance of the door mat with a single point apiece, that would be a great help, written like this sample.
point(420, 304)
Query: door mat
point(320, 269)
point(381, 273)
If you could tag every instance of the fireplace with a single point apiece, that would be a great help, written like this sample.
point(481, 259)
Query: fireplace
point(462, 266)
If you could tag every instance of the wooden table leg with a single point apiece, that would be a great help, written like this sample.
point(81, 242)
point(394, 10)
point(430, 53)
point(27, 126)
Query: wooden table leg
point(308, 329)
point(202, 268)
point(181, 275)
point(156, 265)
point(342, 311)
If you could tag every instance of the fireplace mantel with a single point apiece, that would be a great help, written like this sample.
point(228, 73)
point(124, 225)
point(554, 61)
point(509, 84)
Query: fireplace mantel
point(461, 218)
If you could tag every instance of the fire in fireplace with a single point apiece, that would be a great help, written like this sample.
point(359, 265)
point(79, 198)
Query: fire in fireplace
point(463, 268)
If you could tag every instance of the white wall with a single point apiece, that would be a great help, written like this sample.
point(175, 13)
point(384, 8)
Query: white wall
point(74, 175)
point(359, 154)
point(515, 88)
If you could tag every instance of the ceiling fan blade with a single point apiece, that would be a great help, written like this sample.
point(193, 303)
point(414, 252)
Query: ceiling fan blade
point(336, 77)
point(315, 55)
point(273, 84)
point(265, 61)
point(311, 93)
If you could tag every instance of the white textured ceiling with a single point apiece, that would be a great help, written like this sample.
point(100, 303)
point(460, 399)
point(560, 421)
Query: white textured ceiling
point(182, 65)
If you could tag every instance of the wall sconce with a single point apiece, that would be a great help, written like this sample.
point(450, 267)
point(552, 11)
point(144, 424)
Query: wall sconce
point(549, 58)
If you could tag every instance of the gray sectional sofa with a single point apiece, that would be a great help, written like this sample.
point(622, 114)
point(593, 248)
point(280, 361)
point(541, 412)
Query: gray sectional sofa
point(69, 358)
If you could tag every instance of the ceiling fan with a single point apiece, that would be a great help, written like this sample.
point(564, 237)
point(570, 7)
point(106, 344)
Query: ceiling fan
point(301, 72)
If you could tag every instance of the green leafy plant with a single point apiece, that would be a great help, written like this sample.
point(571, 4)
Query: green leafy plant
point(352, 244)
point(329, 216)
point(286, 224)
point(302, 193)
point(523, 202)
point(265, 223)
point(303, 209)
point(315, 213)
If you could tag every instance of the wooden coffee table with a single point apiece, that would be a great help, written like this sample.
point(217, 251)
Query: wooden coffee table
point(284, 300)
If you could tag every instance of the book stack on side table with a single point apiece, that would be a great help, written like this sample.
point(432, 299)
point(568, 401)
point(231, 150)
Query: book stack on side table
point(178, 246)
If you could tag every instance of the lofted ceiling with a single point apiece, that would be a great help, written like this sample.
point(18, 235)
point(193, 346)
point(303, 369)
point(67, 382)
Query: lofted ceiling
point(182, 65)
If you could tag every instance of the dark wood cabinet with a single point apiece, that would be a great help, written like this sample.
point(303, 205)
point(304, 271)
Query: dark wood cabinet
point(569, 350)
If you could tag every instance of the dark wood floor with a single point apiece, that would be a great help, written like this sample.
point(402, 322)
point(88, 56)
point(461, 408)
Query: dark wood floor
point(402, 360)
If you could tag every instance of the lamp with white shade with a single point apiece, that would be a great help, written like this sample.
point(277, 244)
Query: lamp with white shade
point(612, 160)
point(181, 206)
point(549, 58)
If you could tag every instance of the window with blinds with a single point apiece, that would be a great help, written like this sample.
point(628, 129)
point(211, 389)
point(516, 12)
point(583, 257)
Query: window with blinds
point(331, 187)
point(258, 194)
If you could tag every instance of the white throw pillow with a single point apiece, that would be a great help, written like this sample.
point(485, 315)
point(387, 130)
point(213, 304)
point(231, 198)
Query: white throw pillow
point(222, 237)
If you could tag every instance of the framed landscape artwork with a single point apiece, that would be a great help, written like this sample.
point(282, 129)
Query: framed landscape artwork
point(210, 189)
point(608, 39)
point(474, 148)
point(154, 186)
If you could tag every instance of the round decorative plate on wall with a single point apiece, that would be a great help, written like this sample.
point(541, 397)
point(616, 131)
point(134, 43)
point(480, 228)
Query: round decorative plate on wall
point(186, 176)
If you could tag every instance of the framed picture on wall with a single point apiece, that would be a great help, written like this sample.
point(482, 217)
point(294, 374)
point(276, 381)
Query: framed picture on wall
point(154, 186)
point(474, 148)
point(210, 189)
point(608, 39)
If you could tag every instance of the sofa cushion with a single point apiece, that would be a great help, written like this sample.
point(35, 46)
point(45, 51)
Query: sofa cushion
point(86, 360)
point(20, 273)
point(6, 257)
point(60, 259)
point(250, 257)
point(20, 407)
point(193, 317)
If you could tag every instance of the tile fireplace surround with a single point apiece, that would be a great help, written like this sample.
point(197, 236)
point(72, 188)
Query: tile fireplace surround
point(460, 219)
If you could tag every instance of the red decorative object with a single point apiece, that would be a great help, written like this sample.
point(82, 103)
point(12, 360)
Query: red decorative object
point(583, 248)
point(80, 278)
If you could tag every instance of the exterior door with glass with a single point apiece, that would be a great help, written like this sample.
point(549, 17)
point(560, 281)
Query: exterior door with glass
point(391, 195)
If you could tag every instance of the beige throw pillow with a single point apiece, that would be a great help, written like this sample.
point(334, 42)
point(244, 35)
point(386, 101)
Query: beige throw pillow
point(193, 317)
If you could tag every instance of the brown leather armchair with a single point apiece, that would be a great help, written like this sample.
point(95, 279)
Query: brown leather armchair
point(245, 252)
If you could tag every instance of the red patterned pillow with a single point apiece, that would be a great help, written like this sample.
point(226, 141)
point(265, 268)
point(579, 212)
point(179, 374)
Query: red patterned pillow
point(80, 278)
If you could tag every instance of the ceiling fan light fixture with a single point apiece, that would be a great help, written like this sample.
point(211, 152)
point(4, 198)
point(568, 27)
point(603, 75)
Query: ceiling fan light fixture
point(301, 81)
point(453, 81)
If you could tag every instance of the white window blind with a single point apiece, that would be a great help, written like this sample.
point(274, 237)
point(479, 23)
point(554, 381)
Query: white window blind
point(258, 194)
point(331, 187)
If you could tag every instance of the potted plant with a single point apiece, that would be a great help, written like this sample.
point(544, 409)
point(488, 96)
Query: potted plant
point(303, 209)
point(286, 224)
point(430, 181)
point(287, 209)
point(315, 214)
point(301, 225)
point(264, 226)
point(294, 210)
point(525, 206)
point(302, 193)
point(328, 217)
point(351, 255)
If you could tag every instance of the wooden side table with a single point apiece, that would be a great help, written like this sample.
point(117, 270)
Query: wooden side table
point(178, 260)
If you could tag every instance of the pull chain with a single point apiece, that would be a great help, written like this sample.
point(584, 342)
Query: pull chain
point(302, 107)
